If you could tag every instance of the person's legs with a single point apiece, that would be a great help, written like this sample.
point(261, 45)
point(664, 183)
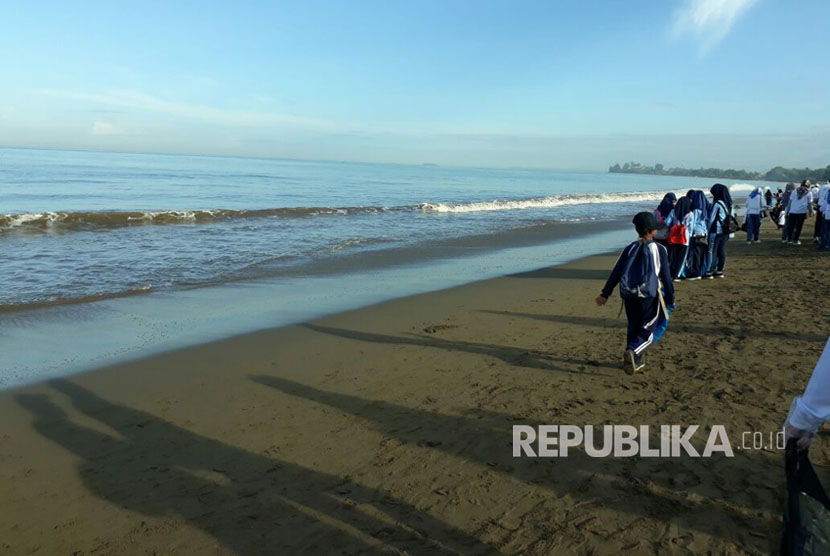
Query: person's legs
point(720, 250)
point(788, 226)
point(693, 262)
point(798, 223)
point(825, 233)
point(642, 315)
point(753, 227)
point(818, 226)
point(710, 260)
point(676, 253)
point(685, 257)
point(700, 259)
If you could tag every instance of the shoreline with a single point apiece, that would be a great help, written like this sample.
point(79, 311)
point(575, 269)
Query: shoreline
point(389, 427)
point(121, 329)
point(276, 330)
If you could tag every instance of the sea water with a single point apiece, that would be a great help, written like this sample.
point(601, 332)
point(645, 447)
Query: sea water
point(113, 255)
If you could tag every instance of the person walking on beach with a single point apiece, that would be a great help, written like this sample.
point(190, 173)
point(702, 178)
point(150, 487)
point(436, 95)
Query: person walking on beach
point(640, 271)
point(818, 197)
point(698, 261)
point(679, 222)
point(824, 209)
point(785, 201)
point(798, 207)
point(661, 213)
point(755, 205)
point(718, 231)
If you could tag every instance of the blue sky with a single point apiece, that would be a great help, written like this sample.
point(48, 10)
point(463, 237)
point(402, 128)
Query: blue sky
point(566, 84)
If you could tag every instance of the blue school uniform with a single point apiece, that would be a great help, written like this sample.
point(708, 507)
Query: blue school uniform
point(643, 313)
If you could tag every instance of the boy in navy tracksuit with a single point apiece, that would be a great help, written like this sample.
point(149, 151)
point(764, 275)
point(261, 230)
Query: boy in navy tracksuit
point(643, 312)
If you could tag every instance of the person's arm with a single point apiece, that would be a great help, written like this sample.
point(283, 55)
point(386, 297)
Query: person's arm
point(713, 217)
point(665, 277)
point(810, 410)
point(614, 278)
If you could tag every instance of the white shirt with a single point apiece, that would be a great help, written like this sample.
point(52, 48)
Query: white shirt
point(756, 204)
point(813, 408)
point(799, 206)
point(822, 197)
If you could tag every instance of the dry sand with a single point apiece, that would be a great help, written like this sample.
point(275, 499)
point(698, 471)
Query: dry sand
point(388, 429)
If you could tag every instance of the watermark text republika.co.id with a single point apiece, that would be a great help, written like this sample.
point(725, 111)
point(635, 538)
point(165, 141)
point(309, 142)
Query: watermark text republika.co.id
point(673, 441)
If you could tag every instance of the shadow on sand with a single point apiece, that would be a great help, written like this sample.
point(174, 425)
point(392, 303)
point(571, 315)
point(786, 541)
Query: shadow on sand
point(511, 355)
point(250, 503)
point(692, 328)
point(629, 486)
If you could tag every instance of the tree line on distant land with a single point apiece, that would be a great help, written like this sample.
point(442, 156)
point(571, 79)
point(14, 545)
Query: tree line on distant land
point(779, 173)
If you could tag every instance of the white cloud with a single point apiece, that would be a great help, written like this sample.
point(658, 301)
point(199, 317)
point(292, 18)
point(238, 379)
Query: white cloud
point(708, 20)
point(103, 128)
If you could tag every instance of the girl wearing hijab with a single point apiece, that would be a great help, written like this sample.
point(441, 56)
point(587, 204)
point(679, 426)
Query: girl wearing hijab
point(755, 205)
point(698, 263)
point(799, 205)
point(718, 233)
point(661, 213)
point(680, 240)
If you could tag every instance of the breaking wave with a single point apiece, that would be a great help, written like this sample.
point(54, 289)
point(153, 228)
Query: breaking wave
point(86, 220)
point(552, 201)
point(92, 220)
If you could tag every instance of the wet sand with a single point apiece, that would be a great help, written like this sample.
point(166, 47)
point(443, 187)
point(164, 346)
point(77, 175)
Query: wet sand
point(388, 429)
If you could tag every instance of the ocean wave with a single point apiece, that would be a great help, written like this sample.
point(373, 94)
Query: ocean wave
point(85, 220)
point(92, 220)
point(552, 201)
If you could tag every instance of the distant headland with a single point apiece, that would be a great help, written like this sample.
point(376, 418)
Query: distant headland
point(779, 173)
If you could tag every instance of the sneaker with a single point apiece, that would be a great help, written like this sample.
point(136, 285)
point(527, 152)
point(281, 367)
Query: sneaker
point(757, 241)
point(639, 362)
point(785, 241)
point(796, 242)
point(748, 242)
point(718, 274)
point(694, 278)
point(708, 277)
point(676, 280)
point(629, 362)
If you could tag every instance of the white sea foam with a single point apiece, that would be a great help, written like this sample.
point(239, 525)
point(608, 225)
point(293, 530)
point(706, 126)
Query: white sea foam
point(552, 201)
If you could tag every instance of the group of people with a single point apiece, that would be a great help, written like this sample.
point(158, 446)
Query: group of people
point(686, 238)
point(793, 206)
point(694, 231)
point(683, 239)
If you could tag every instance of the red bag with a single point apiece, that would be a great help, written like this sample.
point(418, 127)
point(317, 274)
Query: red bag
point(677, 235)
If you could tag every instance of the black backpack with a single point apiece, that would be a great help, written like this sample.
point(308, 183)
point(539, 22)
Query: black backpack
point(807, 513)
point(729, 224)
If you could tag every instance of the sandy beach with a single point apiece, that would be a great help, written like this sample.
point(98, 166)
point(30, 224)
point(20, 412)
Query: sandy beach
point(388, 429)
